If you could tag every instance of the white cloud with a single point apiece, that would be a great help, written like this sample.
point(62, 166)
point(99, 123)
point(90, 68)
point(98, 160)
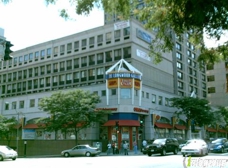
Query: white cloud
point(30, 22)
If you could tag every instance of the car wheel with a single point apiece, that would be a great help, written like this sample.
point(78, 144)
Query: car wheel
point(88, 154)
point(163, 153)
point(222, 150)
point(183, 155)
point(13, 158)
point(149, 154)
point(1, 158)
point(66, 154)
point(175, 151)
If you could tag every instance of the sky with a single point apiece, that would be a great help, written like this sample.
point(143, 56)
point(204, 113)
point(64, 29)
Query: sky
point(30, 22)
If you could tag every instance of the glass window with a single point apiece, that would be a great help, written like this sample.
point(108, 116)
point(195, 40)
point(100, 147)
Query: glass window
point(100, 38)
point(30, 56)
point(178, 46)
point(113, 91)
point(48, 51)
point(91, 41)
point(103, 93)
point(32, 103)
point(36, 54)
point(62, 49)
point(21, 104)
point(42, 53)
point(160, 100)
point(14, 105)
point(109, 36)
point(117, 34)
point(84, 43)
point(125, 93)
point(179, 56)
point(69, 47)
point(153, 98)
point(126, 31)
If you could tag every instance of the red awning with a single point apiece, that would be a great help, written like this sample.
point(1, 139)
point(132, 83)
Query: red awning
point(33, 126)
point(123, 123)
point(180, 127)
point(211, 130)
point(222, 131)
point(163, 125)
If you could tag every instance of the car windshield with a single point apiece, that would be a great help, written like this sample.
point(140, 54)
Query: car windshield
point(159, 141)
point(217, 141)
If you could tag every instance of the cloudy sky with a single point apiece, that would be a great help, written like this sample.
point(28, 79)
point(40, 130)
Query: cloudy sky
point(30, 22)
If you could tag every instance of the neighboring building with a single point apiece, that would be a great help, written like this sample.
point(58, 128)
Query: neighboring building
point(86, 60)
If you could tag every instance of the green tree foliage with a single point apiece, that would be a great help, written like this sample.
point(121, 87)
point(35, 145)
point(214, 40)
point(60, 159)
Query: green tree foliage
point(202, 16)
point(222, 116)
point(7, 126)
point(194, 109)
point(71, 111)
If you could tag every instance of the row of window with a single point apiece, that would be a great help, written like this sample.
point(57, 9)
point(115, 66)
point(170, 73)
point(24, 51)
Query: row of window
point(71, 64)
point(34, 102)
point(70, 47)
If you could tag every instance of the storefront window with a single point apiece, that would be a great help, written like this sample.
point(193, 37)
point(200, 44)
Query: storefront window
point(125, 133)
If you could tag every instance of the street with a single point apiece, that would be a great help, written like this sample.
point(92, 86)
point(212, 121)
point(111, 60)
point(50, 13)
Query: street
point(131, 161)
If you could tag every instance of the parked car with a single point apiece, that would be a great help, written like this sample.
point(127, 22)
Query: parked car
point(195, 147)
point(182, 144)
point(7, 153)
point(81, 150)
point(219, 145)
point(163, 146)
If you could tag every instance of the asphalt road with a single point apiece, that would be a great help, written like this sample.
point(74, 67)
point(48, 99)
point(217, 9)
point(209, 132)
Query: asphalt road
point(131, 161)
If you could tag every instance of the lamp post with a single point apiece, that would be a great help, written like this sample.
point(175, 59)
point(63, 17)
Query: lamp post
point(18, 122)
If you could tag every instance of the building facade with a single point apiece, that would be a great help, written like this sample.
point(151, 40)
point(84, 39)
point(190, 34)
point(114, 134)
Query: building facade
point(89, 60)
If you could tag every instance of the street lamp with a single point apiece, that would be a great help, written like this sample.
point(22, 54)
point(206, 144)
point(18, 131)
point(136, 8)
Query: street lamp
point(18, 118)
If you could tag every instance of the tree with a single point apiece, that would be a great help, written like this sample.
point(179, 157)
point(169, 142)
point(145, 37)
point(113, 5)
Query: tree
point(195, 109)
point(222, 116)
point(73, 110)
point(202, 16)
point(7, 126)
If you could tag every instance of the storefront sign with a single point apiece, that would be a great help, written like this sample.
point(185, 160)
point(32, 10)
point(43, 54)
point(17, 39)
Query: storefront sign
point(112, 83)
point(143, 55)
point(123, 75)
point(137, 84)
point(28, 134)
point(140, 110)
point(125, 83)
point(107, 109)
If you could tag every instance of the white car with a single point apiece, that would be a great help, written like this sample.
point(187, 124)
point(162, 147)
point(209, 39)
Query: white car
point(195, 147)
point(7, 153)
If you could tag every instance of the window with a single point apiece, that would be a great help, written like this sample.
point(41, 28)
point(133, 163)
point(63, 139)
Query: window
point(26, 57)
point(62, 49)
point(14, 105)
point(76, 46)
point(62, 66)
point(56, 51)
point(42, 54)
point(108, 37)
point(37, 55)
point(76, 63)
point(117, 54)
point(100, 58)
point(68, 77)
point(48, 68)
point(69, 48)
point(84, 43)
point(160, 100)
point(48, 52)
point(6, 106)
point(32, 103)
point(180, 85)
point(30, 56)
point(117, 34)
point(211, 78)
point(127, 52)
point(126, 31)
point(100, 71)
point(20, 59)
point(153, 98)
point(179, 65)
point(108, 56)
point(188, 53)
point(103, 93)
point(166, 101)
point(92, 72)
point(91, 41)
point(21, 104)
point(179, 56)
point(147, 95)
point(179, 75)
point(210, 66)
point(189, 62)
point(100, 39)
point(113, 91)
point(125, 93)
point(178, 46)
point(83, 74)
